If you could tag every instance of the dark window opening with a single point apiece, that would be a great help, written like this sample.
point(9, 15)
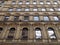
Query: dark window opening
point(16, 18)
point(26, 18)
point(12, 30)
point(1, 29)
point(10, 38)
point(24, 34)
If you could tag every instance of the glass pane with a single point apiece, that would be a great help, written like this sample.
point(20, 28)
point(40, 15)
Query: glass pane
point(36, 18)
point(56, 18)
point(38, 34)
point(46, 18)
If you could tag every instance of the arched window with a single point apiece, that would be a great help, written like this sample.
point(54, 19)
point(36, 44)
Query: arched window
point(12, 30)
point(51, 33)
point(25, 34)
point(38, 33)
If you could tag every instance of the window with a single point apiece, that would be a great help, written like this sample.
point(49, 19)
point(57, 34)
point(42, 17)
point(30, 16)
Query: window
point(20, 2)
point(12, 30)
point(1, 29)
point(27, 2)
point(43, 9)
point(35, 9)
point(6, 18)
point(13, 2)
point(55, 18)
point(38, 33)
point(55, 2)
point(41, 2)
point(24, 34)
point(46, 18)
point(51, 33)
point(51, 9)
point(16, 18)
point(27, 9)
point(10, 9)
point(36, 18)
point(18, 9)
point(26, 18)
point(58, 9)
point(48, 2)
point(34, 2)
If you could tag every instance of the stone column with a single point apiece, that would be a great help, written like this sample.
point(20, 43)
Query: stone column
point(41, 18)
point(20, 18)
point(51, 18)
point(5, 32)
point(11, 18)
point(31, 18)
point(1, 18)
point(17, 32)
point(57, 32)
point(31, 32)
point(44, 32)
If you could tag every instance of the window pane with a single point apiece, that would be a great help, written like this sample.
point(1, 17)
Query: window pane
point(35, 9)
point(41, 2)
point(47, 2)
point(34, 2)
point(18, 9)
point(10, 9)
point(36, 18)
point(20, 2)
point(6, 18)
point(26, 18)
point(51, 33)
point(27, 2)
point(55, 2)
point(51, 9)
point(46, 18)
point(38, 34)
point(13, 2)
point(56, 18)
point(27, 9)
point(43, 9)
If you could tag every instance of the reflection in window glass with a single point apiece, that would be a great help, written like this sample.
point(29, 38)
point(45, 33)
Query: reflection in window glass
point(36, 18)
point(13, 2)
point(38, 33)
point(55, 18)
point(27, 9)
point(46, 18)
point(51, 33)
point(41, 2)
point(27, 2)
point(35, 9)
point(48, 2)
point(20, 2)
point(34, 2)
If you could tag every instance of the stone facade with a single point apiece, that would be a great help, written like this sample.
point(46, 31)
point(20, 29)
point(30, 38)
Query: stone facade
point(18, 25)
